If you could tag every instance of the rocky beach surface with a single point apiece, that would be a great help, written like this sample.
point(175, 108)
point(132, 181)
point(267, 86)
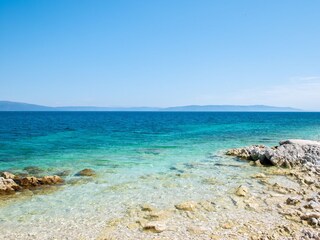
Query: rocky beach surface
point(276, 211)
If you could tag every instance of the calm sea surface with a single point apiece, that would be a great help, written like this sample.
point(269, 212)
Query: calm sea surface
point(105, 139)
point(138, 156)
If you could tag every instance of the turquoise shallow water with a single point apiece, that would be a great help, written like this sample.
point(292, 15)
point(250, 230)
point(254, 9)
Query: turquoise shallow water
point(138, 156)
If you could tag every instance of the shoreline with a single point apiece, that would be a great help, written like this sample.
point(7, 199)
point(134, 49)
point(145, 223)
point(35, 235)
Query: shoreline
point(245, 212)
point(281, 212)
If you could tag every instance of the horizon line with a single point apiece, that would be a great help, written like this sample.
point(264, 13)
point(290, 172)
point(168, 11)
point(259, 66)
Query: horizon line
point(155, 107)
point(181, 108)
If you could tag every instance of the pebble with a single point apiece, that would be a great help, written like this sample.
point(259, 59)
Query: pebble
point(156, 227)
point(242, 191)
point(187, 206)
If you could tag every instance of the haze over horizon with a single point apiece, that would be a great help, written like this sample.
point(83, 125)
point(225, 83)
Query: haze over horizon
point(20, 106)
point(160, 53)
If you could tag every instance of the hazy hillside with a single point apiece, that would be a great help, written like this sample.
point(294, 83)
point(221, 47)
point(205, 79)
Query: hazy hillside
point(16, 106)
point(232, 108)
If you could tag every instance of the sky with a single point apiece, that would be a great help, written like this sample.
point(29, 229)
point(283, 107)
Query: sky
point(160, 53)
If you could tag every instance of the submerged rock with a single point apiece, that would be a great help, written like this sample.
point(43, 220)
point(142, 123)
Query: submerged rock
point(158, 215)
point(156, 227)
point(48, 180)
point(63, 173)
point(242, 191)
point(210, 181)
point(208, 206)
point(259, 175)
point(33, 170)
point(86, 172)
point(147, 208)
point(187, 206)
point(78, 181)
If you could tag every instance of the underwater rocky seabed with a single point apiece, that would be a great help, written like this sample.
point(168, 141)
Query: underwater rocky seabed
point(183, 187)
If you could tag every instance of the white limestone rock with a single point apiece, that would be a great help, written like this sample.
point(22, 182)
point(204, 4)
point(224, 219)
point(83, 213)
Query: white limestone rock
point(8, 185)
point(289, 153)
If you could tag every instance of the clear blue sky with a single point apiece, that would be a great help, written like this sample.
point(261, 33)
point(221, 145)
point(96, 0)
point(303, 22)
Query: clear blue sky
point(160, 53)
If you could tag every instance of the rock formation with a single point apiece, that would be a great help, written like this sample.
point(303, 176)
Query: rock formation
point(301, 162)
point(289, 153)
point(9, 183)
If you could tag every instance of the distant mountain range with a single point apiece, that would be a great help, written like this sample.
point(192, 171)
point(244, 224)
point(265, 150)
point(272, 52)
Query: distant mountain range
point(17, 106)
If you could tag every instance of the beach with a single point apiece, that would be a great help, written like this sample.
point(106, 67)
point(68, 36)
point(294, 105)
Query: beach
point(159, 120)
point(154, 176)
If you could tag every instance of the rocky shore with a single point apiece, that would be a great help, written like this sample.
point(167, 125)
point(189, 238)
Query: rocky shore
point(289, 154)
point(278, 199)
point(298, 160)
point(277, 212)
point(10, 183)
